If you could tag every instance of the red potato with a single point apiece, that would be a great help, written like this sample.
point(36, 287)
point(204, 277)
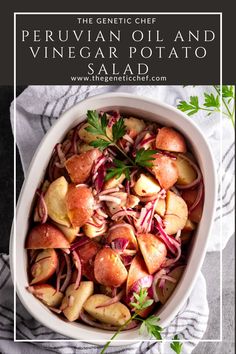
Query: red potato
point(165, 170)
point(46, 236)
point(79, 203)
point(47, 294)
point(79, 166)
point(189, 226)
point(137, 271)
point(45, 266)
point(176, 213)
point(87, 254)
point(170, 140)
point(123, 232)
point(69, 232)
point(190, 196)
point(109, 269)
point(153, 250)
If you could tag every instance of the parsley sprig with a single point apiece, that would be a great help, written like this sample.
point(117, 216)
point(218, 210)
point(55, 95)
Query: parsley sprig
point(98, 126)
point(176, 345)
point(212, 102)
point(149, 325)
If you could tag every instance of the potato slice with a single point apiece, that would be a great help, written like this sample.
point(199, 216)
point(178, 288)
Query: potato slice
point(171, 140)
point(137, 271)
point(161, 207)
point(186, 173)
point(46, 236)
point(165, 170)
point(47, 294)
point(82, 147)
point(93, 231)
point(153, 250)
point(87, 254)
point(189, 226)
point(79, 166)
point(45, 265)
point(69, 232)
point(114, 182)
point(116, 314)
point(190, 196)
point(114, 207)
point(169, 287)
point(176, 213)
point(74, 299)
point(109, 269)
point(79, 204)
point(146, 186)
point(134, 126)
point(55, 199)
point(123, 232)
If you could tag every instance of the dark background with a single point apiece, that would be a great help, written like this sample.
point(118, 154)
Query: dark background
point(7, 8)
point(7, 166)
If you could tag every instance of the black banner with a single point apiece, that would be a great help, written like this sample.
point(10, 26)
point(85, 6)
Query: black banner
point(117, 49)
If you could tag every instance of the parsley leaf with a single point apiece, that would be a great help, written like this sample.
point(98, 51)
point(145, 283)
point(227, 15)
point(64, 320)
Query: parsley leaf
point(150, 326)
point(211, 100)
point(192, 106)
point(118, 129)
point(116, 171)
point(144, 157)
point(142, 301)
point(96, 126)
point(101, 144)
point(176, 345)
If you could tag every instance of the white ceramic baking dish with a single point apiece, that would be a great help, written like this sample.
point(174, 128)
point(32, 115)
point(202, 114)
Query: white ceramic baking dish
point(136, 106)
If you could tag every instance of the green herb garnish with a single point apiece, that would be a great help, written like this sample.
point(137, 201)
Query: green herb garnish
point(212, 102)
point(117, 170)
point(149, 325)
point(176, 345)
point(144, 157)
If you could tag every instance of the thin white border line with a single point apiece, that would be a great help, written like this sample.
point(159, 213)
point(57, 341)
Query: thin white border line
point(14, 159)
point(221, 182)
point(120, 340)
point(14, 130)
point(118, 13)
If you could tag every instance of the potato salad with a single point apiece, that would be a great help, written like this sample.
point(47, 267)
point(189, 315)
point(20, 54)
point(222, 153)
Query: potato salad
point(113, 220)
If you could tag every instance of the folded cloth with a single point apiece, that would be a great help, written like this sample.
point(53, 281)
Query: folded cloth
point(190, 325)
point(38, 107)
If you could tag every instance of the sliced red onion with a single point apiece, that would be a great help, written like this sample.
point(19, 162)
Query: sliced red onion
point(97, 226)
point(144, 282)
point(59, 274)
point(113, 300)
point(147, 140)
point(60, 154)
point(128, 138)
point(78, 267)
point(99, 178)
point(100, 212)
point(93, 323)
point(168, 154)
point(139, 138)
point(108, 191)
point(119, 244)
point(81, 185)
point(175, 190)
point(121, 225)
point(171, 261)
point(83, 240)
point(149, 199)
point(68, 273)
point(100, 161)
point(42, 207)
point(110, 198)
point(129, 252)
point(54, 309)
point(157, 276)
point(123, 212)
point(196, 168)
point(171, 279)
point(198, 198)
point(126, 259)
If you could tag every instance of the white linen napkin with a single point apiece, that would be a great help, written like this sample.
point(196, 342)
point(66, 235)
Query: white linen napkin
point(190, 324)
point(37, 108)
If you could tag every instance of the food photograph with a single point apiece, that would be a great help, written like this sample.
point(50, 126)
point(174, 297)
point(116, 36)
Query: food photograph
point(123, 236)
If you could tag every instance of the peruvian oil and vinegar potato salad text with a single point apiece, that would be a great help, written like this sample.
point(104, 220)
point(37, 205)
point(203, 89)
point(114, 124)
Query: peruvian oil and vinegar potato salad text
point(113, 217)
